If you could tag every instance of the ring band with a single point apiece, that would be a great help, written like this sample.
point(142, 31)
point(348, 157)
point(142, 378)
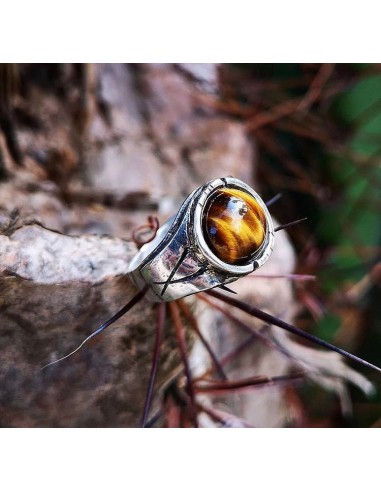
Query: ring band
point(222, 232)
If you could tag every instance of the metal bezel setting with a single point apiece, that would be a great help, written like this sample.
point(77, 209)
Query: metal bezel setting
point(178, 262)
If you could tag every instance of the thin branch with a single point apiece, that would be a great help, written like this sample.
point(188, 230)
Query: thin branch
point(247, 383)
point(241, 324)
point(161, 310)
point(279, 228)
point(194, 325)
point(289, 276)
point(179, 332)
point(109, 322)
point(267, 318)
point(152, 226)
point(273, 200)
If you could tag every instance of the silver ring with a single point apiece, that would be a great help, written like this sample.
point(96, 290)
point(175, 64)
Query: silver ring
point(222, 232)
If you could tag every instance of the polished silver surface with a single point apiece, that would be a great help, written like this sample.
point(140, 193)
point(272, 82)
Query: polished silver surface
point(178, 262)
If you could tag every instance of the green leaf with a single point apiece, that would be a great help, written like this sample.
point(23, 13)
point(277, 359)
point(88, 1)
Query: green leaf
point(365, 96)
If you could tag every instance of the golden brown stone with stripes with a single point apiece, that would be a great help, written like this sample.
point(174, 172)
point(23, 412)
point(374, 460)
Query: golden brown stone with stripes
point(234, 225)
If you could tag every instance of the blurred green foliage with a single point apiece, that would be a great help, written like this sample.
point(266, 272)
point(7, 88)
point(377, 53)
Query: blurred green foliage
point(326, 160)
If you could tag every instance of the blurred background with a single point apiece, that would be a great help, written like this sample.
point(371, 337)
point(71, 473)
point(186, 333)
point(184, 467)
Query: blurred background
point(317, 130)
point(96, 148)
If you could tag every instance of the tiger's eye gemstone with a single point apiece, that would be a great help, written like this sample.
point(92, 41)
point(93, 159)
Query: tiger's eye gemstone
point(234, 225)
